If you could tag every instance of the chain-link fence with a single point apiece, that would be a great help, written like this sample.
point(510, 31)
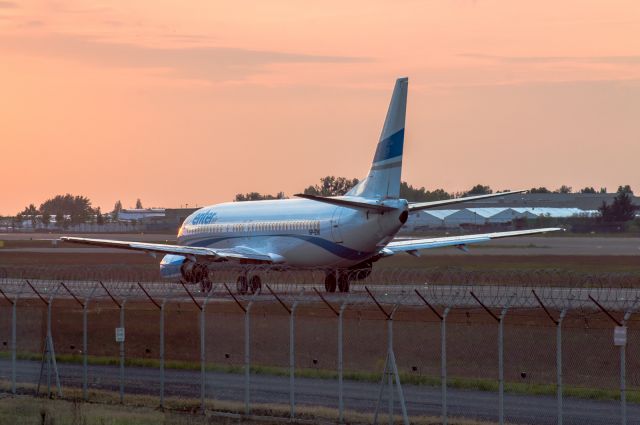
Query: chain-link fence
point(519, 354)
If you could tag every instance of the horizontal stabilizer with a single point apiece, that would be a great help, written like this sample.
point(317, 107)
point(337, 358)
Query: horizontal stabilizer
point(341, 202)
point(418, 206)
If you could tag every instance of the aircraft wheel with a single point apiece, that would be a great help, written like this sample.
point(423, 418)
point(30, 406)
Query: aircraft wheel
point(241, 285)
point(255, 284)
point(330, 282)
point(343, 282)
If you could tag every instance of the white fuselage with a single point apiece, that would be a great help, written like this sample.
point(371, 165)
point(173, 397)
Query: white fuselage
point(296, 233)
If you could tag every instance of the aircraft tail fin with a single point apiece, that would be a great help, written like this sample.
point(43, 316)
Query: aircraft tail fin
point(383, 180)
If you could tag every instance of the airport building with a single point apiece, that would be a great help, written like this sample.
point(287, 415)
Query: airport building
point(481, 217)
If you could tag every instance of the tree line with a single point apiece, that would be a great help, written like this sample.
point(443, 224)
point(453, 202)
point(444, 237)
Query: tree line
point(338, 186)
point(68, 210)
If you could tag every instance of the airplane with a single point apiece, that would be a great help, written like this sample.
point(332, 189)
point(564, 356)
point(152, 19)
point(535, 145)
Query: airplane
point(343, 235)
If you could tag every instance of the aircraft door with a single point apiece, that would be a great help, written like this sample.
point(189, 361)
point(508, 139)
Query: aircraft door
point(336, 233)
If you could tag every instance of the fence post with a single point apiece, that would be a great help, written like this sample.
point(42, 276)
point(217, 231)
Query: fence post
point(14, 317)
point(164, 302)
point(13, 303)
point(203, 372)
point(559, 363)
point(443, 363)
point(503, 313)
point(623, 373)
point(161, 308)
point(49, 352)
point(443, 351)
point(121, 346)
point(51, 360)
point(390, 367)
point(341, 363)
point(247, 347)
point(247, 358)
point(623, 359)
point(500, 320)
point(339, 314)
point(202, 347)
point(85, 345)
point(122, 353)
point(558, 323)
point(292, 357)
point(84, 306)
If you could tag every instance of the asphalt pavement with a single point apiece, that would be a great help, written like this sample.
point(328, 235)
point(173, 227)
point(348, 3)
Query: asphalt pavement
point(358, 396)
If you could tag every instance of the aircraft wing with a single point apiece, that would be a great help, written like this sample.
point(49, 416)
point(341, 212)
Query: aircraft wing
point(418, 206)
point(240, 254)
point(411, 246)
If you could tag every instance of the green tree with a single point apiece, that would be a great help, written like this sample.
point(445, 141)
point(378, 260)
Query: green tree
point(30, 213)
point(413, 194)
point(478, 190)
point(331, 186)
point(117, 207)
point(540, 189)
point(603, 190)
point(625, 189)
point(59, 219)
point(255, 196)
point(77, 207)
point(99, 217)
point(588, 189)
point(564, 189)
point(139, 204)
point(622, 209)
point(46, 219)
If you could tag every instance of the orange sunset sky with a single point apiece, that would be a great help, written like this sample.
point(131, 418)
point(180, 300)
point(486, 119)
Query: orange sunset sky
point(192, 102)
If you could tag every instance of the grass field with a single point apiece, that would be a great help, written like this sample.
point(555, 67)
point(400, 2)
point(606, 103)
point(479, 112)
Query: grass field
point(143, 410)
point(406, 378)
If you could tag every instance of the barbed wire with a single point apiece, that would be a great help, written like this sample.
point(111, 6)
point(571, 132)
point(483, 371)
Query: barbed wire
point(449, 288)
point(382, 275)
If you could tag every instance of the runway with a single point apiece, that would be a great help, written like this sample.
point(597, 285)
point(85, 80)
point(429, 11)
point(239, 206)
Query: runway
point(359, 396)
point(524, 245)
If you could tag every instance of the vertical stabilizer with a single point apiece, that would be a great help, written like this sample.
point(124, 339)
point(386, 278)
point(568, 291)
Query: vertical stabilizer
point(383, 180)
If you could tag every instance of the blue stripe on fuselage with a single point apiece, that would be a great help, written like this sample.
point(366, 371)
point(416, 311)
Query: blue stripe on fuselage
point(334, 248)
point(390, 147)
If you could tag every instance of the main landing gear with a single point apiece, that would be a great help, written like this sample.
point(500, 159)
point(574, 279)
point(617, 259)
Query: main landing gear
point(196, 273)
point(206, 285)
point(342, 282)
point(250, 284)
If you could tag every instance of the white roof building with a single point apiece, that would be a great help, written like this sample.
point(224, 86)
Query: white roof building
point(556, 212)
point(427, 219)
point(140, 214)
point(480, 216)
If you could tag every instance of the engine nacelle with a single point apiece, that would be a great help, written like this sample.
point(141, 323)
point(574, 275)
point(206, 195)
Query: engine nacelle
point(178, 266)
point(171, 265)
point(190, 271)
